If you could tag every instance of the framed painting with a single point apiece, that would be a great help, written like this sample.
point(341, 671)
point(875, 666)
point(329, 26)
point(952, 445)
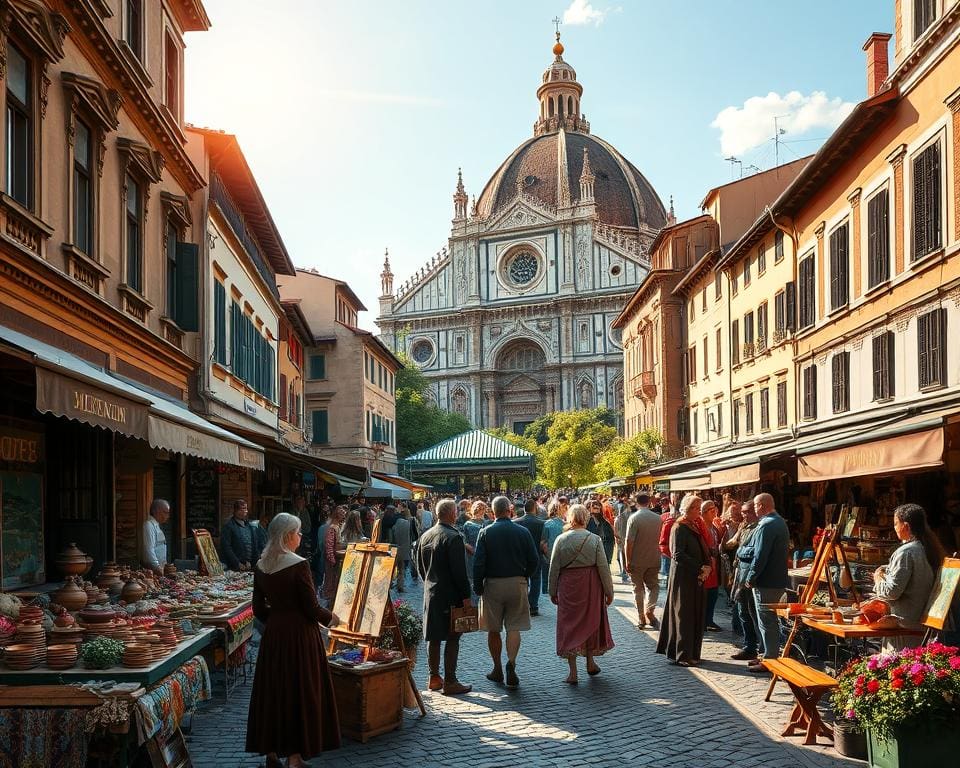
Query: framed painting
point(941, 598)
point(21, 530)
point(209, 559)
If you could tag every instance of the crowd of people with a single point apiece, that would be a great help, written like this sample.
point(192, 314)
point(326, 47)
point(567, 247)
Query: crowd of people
point(503, 554)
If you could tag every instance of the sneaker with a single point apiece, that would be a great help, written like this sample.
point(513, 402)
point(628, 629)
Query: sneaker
point(456, 688)
point(496, 676)
point(512, 680)
point(744, 655)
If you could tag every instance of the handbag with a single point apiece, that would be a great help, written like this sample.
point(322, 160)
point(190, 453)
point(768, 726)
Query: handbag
point(464, 619)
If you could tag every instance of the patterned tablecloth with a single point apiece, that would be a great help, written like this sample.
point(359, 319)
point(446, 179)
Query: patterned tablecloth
point(43, 738)
point(161, 709)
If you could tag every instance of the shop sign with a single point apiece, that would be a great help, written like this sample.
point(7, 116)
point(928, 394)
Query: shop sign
point(20, 447)
point(250, 458)
point(63, 396)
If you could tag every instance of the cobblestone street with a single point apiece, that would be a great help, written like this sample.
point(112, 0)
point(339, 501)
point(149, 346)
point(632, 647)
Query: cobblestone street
point(639, 711)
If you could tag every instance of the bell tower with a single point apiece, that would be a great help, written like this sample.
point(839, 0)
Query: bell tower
point(559, 95)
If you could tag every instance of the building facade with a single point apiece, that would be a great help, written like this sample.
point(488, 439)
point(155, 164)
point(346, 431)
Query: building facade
point(514, 317)
point(100, 299)
point(350, 377)
point(653, 336)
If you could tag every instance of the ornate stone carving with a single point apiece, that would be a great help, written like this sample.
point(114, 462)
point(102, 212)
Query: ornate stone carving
point(583, 261)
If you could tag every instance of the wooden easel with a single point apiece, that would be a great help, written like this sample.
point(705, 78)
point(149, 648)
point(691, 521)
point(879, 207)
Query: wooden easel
point(830, 549)
point(350, 630)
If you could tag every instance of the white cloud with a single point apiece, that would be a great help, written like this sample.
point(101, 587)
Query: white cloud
point(749, 126)
point(582, 12)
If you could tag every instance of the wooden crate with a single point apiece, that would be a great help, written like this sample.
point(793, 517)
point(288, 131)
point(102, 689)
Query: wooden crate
point(369, 701)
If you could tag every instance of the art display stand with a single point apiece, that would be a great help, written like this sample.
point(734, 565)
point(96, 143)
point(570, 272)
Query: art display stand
point(210, 564)
point(829, 550)
point(363, 603)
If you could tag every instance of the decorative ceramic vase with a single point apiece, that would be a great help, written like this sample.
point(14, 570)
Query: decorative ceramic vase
point(132, 591)
point(73, 562)
point(109, 576)
point(70, 596)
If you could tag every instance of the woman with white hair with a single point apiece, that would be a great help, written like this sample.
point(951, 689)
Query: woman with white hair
point(293, 712)
point(581, 587)
point(684, 614)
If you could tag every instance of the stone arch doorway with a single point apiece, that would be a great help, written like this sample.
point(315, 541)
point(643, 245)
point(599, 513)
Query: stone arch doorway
point(521, 390)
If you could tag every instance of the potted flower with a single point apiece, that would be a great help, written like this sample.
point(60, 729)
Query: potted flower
point(908, 702)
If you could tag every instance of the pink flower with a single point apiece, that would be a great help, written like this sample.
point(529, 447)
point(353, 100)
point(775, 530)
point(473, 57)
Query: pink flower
point(872, 663)
point(954, 662)
point(916, 669)
point(851, 715)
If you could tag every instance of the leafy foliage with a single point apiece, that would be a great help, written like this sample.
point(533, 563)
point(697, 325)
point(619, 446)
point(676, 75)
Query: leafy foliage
point(420, 423)
point(627, 457)
point(890, 691)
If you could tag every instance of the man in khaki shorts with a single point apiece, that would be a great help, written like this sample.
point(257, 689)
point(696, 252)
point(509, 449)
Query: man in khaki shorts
point(505, 559)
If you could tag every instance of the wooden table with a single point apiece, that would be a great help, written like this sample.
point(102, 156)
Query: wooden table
point(158, 670)
point(847, 632)
point(231, 640)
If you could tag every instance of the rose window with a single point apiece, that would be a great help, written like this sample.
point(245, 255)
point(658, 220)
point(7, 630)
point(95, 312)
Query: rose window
point(422, 351)
point(523, 268)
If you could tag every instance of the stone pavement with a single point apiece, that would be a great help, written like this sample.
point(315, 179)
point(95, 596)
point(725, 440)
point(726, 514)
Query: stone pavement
point(640, 711)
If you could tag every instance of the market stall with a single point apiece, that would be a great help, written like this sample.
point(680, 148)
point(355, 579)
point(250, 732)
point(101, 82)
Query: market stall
point(139, 643)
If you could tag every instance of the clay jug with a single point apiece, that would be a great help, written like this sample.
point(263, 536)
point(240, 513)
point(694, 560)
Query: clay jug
point(132, 591)
point(71, 596)
point(73, 562)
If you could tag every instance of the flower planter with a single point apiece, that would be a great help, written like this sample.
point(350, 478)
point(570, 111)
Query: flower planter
point(849, 741)
point(915, 748)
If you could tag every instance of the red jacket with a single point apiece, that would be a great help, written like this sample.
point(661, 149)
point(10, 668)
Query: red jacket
point(667, 521)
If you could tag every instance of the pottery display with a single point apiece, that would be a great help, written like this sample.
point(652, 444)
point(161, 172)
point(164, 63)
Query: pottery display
point(108, 578)
point(97, 615)
point(64, 621)
point(71, 596)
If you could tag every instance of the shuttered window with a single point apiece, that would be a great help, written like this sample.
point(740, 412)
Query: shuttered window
point(779, 314)
point(761, 259)
point(778, 247)
point(807, 293)
point(931, 343)
point(924, 13)
point(781, 403)
point(764, 408)
point(318, 366)
point(748, 400)
point(320, 434)
point(790, 291)
point(841, 382)
point(883, 370)
point(736, 417)
point(839, 267)
point(878, 239)
point(762, 328)
point(746, 272)
point(219, 323)
point(810, 392)
point(927, 213)
point(735, 342)
point(284, 415)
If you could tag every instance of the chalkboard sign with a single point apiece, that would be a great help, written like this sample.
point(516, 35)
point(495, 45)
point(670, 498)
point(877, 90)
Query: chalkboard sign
point(203, 500)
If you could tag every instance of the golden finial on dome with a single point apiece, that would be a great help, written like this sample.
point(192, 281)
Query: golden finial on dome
point(558, 47)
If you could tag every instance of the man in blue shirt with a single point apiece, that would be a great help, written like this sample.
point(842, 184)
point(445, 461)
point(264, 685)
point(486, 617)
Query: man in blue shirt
point(766, 573)
point(504, 560)
point(534, 524)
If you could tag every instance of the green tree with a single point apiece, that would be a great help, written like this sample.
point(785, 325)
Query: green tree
point(623, 458)
point(420, 423)
point(574, 440)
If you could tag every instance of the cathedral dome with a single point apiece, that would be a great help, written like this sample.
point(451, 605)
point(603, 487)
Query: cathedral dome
point(623, 197)
point(549, 166)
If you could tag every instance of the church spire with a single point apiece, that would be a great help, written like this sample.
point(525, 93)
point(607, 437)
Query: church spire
point(586, 179)
point(459, 199)
point(559, 95)
point(671, 217)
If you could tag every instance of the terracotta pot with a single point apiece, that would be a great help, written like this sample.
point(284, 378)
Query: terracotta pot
point(108, 577)
point(96, 617)
point(132, 591)
point(73, 561)
point(70, 596)
point(64, 621)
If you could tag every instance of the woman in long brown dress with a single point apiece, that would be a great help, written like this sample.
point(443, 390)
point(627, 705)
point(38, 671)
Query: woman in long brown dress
point(684, 614)
point(581, 587)
point(293, 712)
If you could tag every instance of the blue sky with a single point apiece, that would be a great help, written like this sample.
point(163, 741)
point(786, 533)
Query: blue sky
point(355, 116)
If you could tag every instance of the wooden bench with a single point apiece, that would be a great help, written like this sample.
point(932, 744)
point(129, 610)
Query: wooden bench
point(808, 686)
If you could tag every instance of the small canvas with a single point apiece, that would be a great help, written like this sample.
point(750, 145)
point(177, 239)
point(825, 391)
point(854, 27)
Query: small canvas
point(938, 606)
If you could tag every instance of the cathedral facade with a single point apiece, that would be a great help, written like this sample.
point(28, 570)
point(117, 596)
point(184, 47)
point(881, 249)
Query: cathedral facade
point(513, 318)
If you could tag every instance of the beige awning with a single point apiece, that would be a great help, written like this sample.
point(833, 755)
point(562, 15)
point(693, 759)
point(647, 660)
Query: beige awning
point(97, 406)
point(919, 450)
point(743, 475)
point(694, 483)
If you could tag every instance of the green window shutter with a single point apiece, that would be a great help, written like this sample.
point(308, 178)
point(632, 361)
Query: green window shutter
point(236, 339)
point(318, 366)
point(188, 287)
point(320, 427)
point(219, 322)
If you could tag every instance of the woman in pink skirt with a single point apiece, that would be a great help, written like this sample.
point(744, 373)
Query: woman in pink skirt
point(581, 587)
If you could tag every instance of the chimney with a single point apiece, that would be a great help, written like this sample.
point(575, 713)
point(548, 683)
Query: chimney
point(877, 62)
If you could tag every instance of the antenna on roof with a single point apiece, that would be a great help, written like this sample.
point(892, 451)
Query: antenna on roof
point(777, 133)
point(732, 160)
